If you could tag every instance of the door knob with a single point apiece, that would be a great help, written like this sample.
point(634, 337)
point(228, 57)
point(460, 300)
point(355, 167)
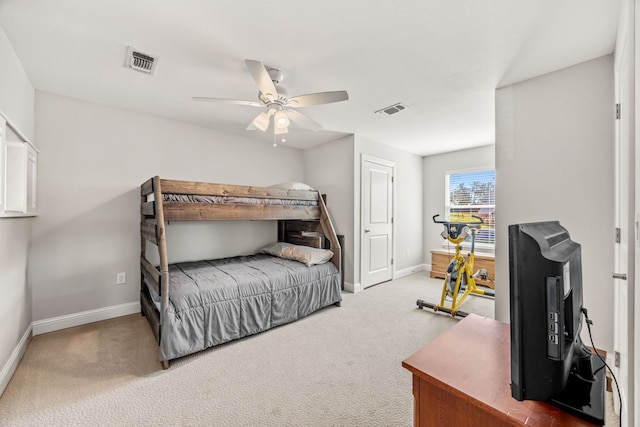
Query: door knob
point(366, 230)
point(621, 276)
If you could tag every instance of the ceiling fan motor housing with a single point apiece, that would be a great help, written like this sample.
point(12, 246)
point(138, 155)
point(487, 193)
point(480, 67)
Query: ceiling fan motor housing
point(277, 76)
point(281, 97)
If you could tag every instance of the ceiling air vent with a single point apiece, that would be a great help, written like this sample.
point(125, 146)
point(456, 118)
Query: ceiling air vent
point(142, 62)
point(392, 109)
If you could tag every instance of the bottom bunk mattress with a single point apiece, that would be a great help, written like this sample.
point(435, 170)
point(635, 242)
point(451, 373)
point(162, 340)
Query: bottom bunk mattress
point(216, 301)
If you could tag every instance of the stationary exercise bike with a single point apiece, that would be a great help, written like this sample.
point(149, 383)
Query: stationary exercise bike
point(459, 281)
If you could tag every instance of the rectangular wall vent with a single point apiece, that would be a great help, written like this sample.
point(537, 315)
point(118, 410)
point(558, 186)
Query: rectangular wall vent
point(392, 109)
point(142, 62)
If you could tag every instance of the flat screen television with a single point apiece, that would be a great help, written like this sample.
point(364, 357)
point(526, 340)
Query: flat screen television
point(549, 361)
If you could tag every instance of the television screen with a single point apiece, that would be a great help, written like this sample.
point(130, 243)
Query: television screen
point(549, 361)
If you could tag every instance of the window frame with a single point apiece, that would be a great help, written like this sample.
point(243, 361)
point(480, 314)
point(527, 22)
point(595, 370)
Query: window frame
point(480, 246)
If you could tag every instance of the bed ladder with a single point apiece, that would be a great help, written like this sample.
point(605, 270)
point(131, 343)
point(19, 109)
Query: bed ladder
point(152, 229)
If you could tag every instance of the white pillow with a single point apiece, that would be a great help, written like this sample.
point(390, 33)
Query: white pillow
point(274, 249)
point(292, 186)
point(304, 254)
point(307, 255)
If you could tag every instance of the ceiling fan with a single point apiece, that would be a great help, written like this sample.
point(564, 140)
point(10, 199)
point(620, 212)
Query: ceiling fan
point(277, 102)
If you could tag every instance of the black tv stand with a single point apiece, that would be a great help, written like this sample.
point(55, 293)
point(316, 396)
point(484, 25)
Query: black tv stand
point(580, 399)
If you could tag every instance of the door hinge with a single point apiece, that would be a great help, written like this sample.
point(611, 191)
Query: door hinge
point(391, 261)
point(616, 359)
point(617, 111)
point(391, 220)
point(392, 179)
point(617, 236)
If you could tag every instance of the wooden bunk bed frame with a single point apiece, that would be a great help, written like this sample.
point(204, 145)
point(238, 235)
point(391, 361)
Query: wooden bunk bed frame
point(307, 225)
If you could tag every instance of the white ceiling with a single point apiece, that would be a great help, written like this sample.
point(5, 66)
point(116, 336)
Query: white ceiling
point(443, 59)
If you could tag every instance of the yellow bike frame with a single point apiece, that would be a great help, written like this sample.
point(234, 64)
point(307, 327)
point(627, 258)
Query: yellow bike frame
point(462, 267)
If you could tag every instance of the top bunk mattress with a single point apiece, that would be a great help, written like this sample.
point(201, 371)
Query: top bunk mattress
point(193, 198)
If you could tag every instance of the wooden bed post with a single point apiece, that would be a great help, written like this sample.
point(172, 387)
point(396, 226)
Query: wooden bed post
point(143, 242)
point(330, 232)
point(164, 264)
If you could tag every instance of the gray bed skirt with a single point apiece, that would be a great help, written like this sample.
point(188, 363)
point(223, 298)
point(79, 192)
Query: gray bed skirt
point(216, 301)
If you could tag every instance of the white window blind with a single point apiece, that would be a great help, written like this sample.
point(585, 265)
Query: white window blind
point(473, 193)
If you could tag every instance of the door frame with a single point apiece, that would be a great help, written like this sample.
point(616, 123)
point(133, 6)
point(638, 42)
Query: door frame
point(372, 159)
point(625, 237)
point(627, 39)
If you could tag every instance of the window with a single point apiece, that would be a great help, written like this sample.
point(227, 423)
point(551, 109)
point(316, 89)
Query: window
point(473, 193)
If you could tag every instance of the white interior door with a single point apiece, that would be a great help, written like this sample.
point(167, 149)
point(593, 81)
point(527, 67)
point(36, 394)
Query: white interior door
point(624, 233)
point(377, 221)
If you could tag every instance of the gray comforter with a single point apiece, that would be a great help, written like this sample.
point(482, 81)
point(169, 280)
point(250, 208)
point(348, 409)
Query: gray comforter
point(215, 301)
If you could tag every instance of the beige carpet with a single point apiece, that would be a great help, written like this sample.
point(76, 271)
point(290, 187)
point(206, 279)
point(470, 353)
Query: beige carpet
point(338, 367)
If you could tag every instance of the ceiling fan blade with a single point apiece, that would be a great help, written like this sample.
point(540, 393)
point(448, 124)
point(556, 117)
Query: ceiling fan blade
point(228, 101)
point(302, 120)
point(262, 78)
point(318, 98)
point(261, 121)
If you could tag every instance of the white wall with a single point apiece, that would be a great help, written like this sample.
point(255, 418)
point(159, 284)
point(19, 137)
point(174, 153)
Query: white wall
point(329, 168)
point(554, 161)
point(408, 215)
point(16, 101)
point(435, 169)
point(334, 167)
point(92, 161)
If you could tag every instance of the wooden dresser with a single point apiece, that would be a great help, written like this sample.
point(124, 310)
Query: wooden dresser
point(440, 259)
point(462, 377)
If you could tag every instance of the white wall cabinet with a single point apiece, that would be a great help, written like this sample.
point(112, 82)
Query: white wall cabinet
point(18, 172)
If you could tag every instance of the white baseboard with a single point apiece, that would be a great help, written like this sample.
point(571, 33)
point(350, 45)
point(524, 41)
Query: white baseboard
point(411, 270)
point(15, 358)
point(357, 287)
point(352, 287)
point(84, 317)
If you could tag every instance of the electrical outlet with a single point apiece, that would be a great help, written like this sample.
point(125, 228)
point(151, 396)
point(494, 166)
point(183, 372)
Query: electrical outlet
point(121, 278)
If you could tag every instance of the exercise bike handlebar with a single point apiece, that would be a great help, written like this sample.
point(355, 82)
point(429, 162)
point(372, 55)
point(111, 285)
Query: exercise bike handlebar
point(470, 224)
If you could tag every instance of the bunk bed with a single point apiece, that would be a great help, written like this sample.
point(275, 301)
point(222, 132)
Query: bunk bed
point(192, 306)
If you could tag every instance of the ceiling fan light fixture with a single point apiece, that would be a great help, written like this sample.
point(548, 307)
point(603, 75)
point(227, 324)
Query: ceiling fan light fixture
point(281, 120)
point(261, 122)
point(280, 131)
